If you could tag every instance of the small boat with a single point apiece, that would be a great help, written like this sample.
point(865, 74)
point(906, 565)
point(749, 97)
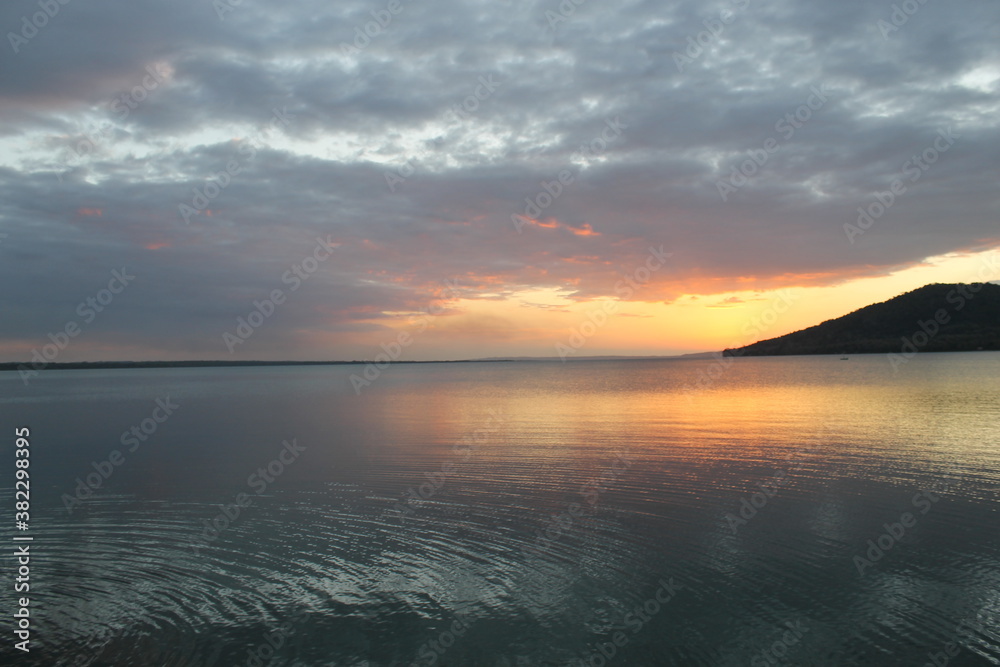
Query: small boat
point(843, 359)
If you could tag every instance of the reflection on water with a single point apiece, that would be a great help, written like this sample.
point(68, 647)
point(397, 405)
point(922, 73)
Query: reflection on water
point(518, 514)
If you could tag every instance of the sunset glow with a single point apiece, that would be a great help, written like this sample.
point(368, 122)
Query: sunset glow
point(489, 197)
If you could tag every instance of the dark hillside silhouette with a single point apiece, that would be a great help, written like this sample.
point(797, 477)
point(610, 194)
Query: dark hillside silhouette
point(933, 318)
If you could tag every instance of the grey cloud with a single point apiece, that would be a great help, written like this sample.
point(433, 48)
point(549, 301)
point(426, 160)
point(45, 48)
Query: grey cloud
point(656, 184)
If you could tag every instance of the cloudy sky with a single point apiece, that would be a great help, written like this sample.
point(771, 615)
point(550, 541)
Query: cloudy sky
point(486, 177)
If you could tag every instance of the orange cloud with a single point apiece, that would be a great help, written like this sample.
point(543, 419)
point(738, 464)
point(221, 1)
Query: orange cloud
point(583, 230)
point(90, 212)
point(551, 223)
point(156, 245)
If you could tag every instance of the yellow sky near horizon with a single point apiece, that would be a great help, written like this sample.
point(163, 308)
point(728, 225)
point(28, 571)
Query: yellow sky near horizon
point(546, 322)
point(534, 322)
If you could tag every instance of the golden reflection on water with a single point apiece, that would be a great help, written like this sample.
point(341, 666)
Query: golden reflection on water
point(939, 411)
point(657, 468)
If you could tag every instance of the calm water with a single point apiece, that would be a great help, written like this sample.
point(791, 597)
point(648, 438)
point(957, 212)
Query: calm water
point(553, 510)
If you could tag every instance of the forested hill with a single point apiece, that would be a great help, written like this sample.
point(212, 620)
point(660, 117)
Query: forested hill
point(934, 318)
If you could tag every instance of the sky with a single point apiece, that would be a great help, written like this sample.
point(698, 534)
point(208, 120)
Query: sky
point(247, 179)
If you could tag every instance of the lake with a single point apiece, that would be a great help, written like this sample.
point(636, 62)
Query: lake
point(755, 511)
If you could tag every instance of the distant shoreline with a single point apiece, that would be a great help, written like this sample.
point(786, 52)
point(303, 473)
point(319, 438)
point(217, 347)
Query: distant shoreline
point(13, 366)
point(99, 365)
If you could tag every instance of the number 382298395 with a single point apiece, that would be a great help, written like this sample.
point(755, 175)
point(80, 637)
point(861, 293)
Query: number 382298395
point(22, 495)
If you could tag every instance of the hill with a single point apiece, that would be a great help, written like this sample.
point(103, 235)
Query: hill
point(933, 318)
